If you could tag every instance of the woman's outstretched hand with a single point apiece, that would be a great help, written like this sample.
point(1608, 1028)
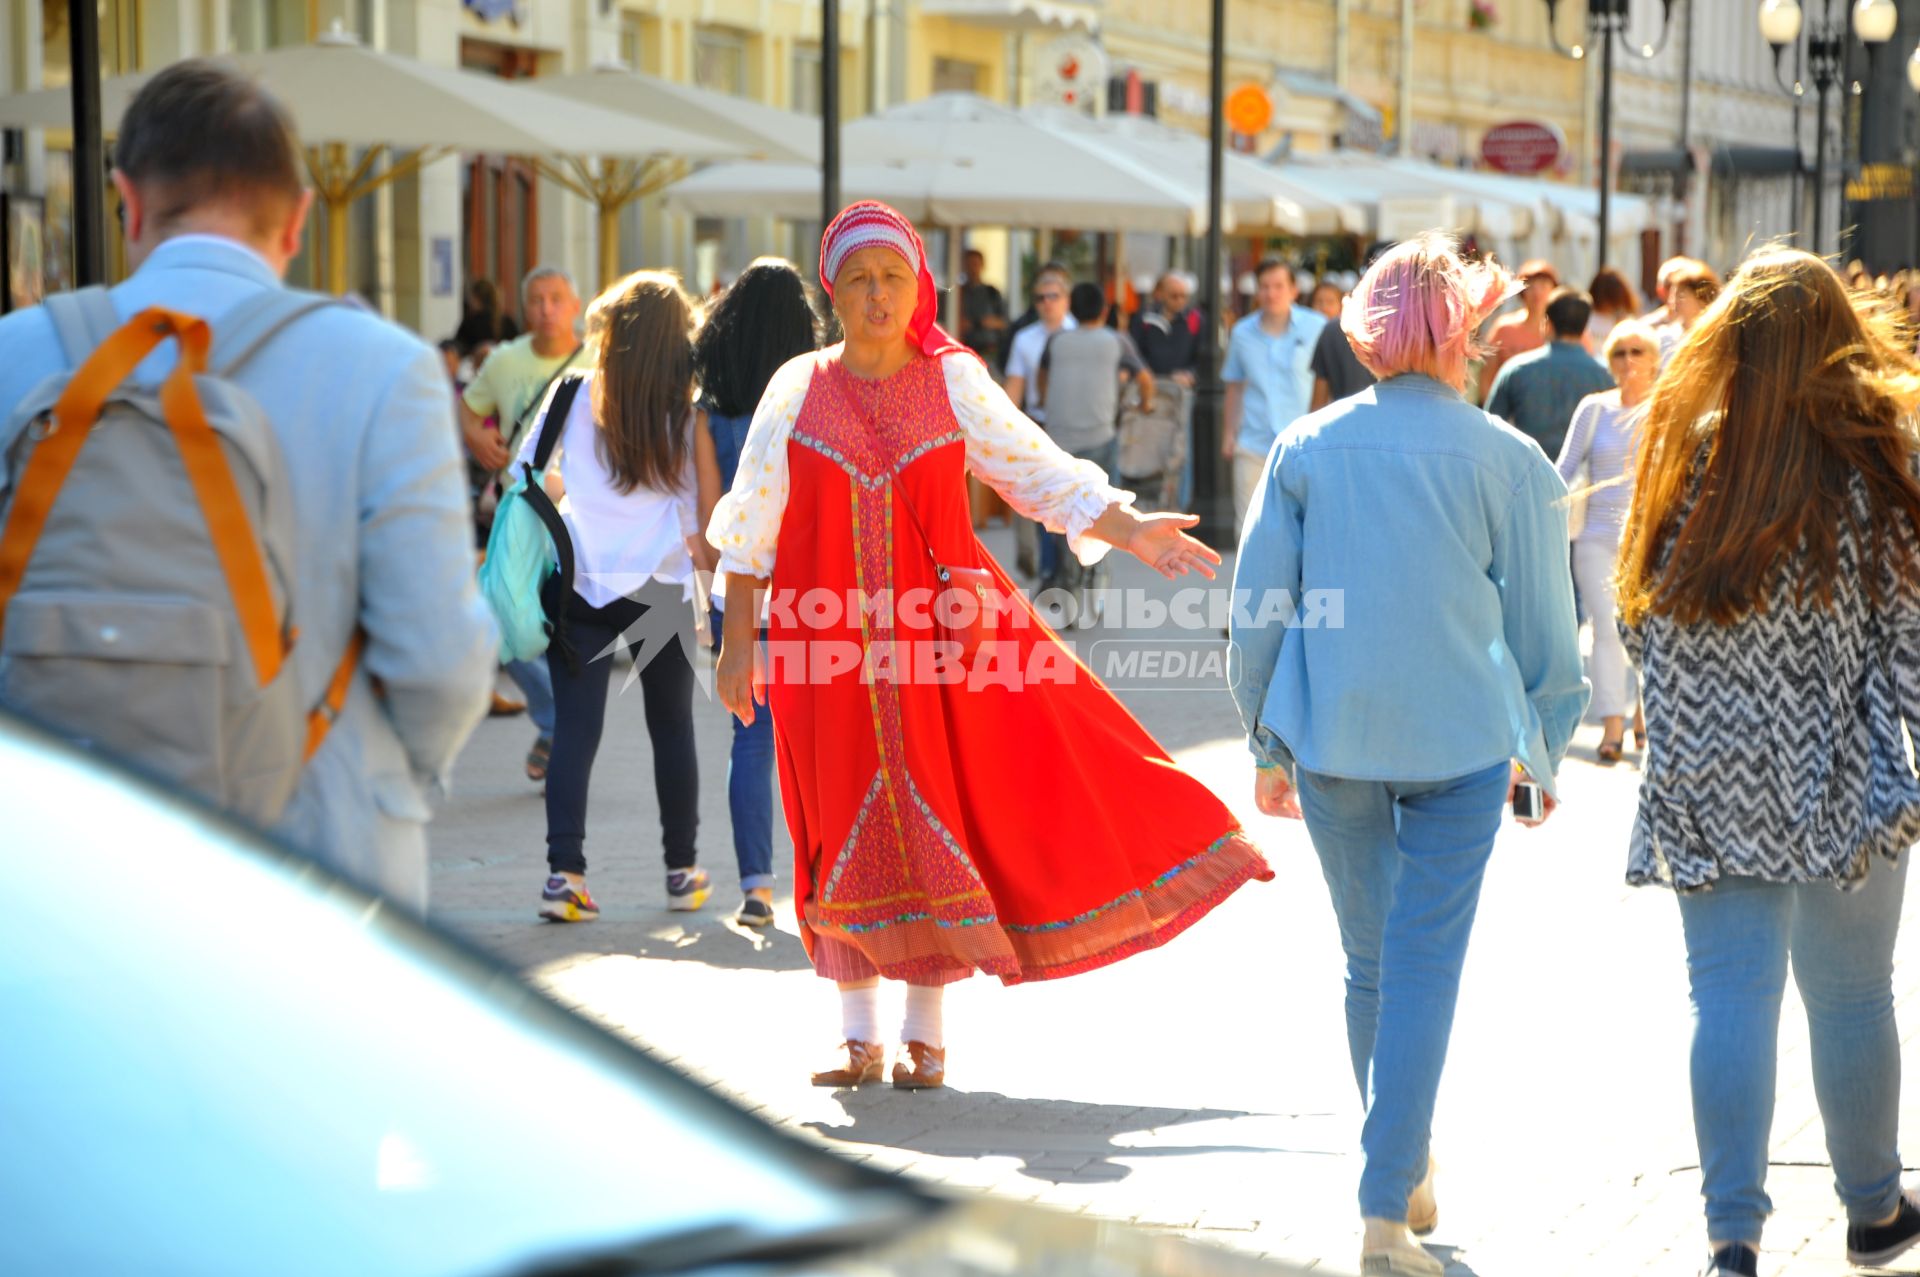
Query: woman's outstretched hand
point(1161, 542)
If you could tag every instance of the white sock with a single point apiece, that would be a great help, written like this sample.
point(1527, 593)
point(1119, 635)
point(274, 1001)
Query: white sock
point(922, 1022)
point(860, 1012)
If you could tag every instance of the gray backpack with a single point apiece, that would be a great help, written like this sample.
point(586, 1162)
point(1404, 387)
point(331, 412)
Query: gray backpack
point(147, 558)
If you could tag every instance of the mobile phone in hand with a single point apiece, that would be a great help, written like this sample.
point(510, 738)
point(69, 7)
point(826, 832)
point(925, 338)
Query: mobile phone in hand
point(1529, 801)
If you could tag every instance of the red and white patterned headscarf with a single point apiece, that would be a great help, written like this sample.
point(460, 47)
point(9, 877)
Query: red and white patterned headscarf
point(871, 224)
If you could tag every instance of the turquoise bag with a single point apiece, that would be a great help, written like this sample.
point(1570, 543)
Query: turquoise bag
point(527, 578)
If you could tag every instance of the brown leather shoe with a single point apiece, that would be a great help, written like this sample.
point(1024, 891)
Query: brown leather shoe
point(929, 1068)
point(505, 708)
point(865, 1061)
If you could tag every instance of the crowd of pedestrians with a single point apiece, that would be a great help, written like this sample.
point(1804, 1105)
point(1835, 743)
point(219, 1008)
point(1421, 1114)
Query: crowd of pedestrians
point(1726, 490)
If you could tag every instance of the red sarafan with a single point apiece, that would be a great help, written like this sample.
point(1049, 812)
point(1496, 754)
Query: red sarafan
point(1027, 829)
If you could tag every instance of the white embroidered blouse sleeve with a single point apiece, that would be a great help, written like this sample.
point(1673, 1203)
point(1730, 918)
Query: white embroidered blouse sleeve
point(1017, 459)
point(745, 527)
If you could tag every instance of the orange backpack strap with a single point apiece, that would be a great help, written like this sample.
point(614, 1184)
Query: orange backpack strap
point(227, 524)
point(327, 712)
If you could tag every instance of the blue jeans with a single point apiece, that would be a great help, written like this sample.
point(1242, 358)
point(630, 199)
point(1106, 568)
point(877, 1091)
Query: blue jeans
point(1740, 936)
point(750, 791)
point(1058, 565)
point(536, 685)
point(1403, 862)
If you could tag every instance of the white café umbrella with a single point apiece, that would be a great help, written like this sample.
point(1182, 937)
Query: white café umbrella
point(760, 131)
point(1404, 197)
point(342, 94)
point(763, 132)
point(1260, 195)
point(957, 160)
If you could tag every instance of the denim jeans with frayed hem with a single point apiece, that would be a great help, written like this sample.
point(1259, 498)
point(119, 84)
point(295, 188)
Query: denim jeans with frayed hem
point(536, 685)
point(1741, 935)
point(1403, 862)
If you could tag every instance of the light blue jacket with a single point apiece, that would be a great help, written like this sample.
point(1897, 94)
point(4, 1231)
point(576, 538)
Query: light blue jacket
point(364, 414)
point(1403, 608)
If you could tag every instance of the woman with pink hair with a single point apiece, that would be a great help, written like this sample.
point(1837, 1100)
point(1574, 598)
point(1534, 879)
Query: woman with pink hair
point(1409, 658)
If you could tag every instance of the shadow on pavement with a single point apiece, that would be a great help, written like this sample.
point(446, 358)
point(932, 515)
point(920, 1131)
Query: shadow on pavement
point(715, 940)
point(1059, 1141)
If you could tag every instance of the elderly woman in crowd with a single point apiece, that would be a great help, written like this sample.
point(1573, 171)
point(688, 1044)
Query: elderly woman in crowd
point(1601, 441)
point(960, 801)
point(1689, 293)
point(1769, 582)
point(1416, 653)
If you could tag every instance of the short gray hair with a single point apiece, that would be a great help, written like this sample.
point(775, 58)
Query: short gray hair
point(539, 273)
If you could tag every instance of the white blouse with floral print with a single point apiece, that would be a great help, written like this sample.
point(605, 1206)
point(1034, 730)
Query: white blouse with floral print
point(1004, 448)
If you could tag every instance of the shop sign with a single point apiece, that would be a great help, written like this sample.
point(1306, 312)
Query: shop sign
point(1249, 109)
point(1524, 146)
point(1881, 182)
point(1073, 72)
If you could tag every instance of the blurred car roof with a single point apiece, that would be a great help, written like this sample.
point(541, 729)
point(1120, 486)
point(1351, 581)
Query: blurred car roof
point(216, 1057)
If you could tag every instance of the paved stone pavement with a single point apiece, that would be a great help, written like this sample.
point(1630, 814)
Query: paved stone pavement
point(1204, 1087)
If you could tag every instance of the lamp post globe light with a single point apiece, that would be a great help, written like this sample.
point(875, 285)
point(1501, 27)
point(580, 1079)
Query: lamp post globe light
point(1913, 69)
point(1781, 25)
point(1607, 24)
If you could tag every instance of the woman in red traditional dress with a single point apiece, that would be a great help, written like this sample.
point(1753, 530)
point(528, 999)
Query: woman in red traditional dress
point(952, 809)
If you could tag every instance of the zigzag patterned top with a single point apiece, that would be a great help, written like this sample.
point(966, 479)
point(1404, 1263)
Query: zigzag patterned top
point(1775, 745)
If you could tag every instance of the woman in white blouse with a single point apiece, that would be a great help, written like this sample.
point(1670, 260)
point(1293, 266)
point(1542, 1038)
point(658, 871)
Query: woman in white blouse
point(963, 795)
point(630, 469)
point(1601, 438)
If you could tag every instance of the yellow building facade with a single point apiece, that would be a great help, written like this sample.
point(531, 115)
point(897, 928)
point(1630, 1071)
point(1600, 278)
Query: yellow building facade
point(1333, 69)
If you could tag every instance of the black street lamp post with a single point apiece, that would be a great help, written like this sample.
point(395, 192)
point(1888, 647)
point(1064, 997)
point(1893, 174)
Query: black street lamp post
point(1606, 23)
point(830, 111)
point(1781, 22)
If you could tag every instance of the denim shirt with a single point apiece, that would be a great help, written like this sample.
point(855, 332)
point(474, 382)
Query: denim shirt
point(1426, 630)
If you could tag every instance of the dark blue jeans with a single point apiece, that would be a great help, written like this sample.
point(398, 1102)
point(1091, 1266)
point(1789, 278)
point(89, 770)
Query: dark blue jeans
point(580, 712)
point(750, 791)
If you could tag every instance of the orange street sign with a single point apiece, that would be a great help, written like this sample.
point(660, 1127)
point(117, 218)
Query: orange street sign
point(1249, 109)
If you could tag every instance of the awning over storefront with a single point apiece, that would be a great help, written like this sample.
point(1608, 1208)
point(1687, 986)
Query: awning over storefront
point(1019, 15)
point(1726, 160)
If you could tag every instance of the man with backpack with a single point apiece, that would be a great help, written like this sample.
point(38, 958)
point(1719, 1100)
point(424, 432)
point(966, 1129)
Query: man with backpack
point(331, 523)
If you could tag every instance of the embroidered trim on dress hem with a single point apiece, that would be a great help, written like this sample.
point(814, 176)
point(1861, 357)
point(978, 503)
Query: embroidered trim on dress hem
point(1134, 923)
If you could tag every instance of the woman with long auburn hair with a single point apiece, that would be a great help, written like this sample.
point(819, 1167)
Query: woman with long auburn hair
point(633, 473)
point(1769, 588)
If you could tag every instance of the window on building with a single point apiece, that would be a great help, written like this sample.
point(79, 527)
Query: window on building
point(267, 24)
point(500, 199)
point(709, 253)
point(806, 97)
point(720, 61)
point(120, 38)
point(950, 75)
point(631, 44)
